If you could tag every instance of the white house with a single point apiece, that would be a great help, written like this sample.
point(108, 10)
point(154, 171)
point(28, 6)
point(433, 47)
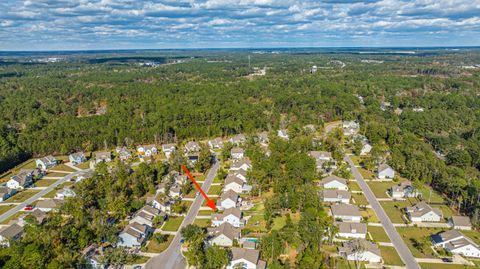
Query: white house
point(133, 235)
point(192, 146)
point(147, 150)
point(350, 128)
point(103, 156)
point(246, 259)
point(385, 172)
point(46, 162)
point(282, 133)
point(233, 183)
point(48, 205)
point(93, 255)
point(146, 215)
point(263, 138)
point(64, 193)
point(366, 148)
point(352, 230)
point(232, 215)
point(237, 153)
point(216, 143)
point(460, 222)
point(422, 212)
point(6, 192)
point(346, 213)
point(456, 243)
point(404, 190)
point(241, 174)
point(77, 158)
point(242, 164)
point(168, 149)
point(223, 235)
point(334, 182)
point(12, 232)
point(22, 180)
point(162, 203)
point(238, 139)
point(175, 191)
point(361, 250)
point(228, 199)
point(336, 196)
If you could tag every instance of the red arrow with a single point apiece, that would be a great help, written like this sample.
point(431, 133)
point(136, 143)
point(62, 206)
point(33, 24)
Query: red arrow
point(210, 203)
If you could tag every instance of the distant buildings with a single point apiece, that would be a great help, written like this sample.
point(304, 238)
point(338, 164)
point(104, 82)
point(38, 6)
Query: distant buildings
point(168, 149)
point(46, 162)
point(216, 143)
point(103, 156)
point(77, 158)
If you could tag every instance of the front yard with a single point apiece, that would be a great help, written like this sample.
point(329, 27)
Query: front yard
point(172, 224)
point(5, 208)
point(22, 196)
point(154, 247)
point(215, 190)
point(390, 256)
point(45, 182)
point(380, 188)
point(394, 210)
point(203, 222)
point(418, 240)
point(378, 234)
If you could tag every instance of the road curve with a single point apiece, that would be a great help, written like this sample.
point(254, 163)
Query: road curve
point(400, 246)
point(32, 199)
point(171, 258)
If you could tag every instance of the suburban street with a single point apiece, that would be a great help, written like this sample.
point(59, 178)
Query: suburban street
point(171, 258)
point(32, 199)
point(392, 233)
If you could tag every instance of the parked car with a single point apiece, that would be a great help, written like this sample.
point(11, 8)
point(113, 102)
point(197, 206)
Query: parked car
point(28, 207)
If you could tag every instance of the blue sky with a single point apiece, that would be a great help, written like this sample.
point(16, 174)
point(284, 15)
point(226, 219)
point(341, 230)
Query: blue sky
point(124, 24)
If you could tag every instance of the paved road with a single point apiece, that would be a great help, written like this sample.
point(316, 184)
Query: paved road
point(32, 199)
point(397, 241)
point(171, 258)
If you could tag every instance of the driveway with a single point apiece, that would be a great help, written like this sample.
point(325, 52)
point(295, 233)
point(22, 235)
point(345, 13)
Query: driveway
point(172, 258)
point(35, 197)
point(397, 241)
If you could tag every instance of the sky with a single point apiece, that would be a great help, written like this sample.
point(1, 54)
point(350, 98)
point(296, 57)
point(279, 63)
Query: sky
point(155, 24)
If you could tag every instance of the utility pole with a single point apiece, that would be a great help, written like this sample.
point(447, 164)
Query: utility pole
point(249, 67)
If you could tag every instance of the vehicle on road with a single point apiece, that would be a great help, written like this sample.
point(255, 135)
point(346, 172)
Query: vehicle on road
point(28, 207)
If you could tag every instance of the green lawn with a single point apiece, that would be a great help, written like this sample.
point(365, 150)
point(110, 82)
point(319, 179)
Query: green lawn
point(191, 194)
point(378, 234)
point(45, 182)
point(380, 188)
point(30, 164)
point(22, 196)
point(474, 235)
point(443, 266)
point(154, 247)
point(390, 256)
point(394, 210)
point(204, 213)
point(279, 222)
point(202, 222)
point(55, 174)
point(430, 195)
point(257, 223)
point(5, 208)
point(139, 259)
point(418, 240)
point(215, 190)
point(446, 210)
point(13, 217)
point(369, 214)
point(218, 180)
point(172, 224)
point(366, 174)
point(84, 165)
point(63, 167)
point(344, 264)
point(353, 186)
point(360, 199)
point(186, 203)
point(200, 178)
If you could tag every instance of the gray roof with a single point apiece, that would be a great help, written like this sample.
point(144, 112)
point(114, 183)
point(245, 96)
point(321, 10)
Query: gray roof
point(383, 167)
point(349, 227)
point(192, 145)
point(233, 178)
point(11, 231)
point(138, 227)
point(461, 221)
point(447, 236)
point(331, 178)
point(168, 147)
point(345, 210)
point(101, 155)
point(241, 162)
point(76, 155)
point(236, 150)
point(250, 255)
point(421, 209)
point(233, 211)
point(5, 190)
point(460, 243)
point(226, 229)
point(350, 246)
point(320, 154)
point(217, 142)
point(49, 203)
point(229, 195)
point(238, 138)
point(340, 194)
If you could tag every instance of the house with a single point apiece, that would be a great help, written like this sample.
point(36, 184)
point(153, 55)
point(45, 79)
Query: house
point(242, 164)
point(249, 244)
point(361, 250)
point(334, 182)
point(282, 133)
point(123, 153)
point(133, 235)
point(237, 153)
point(263, 138)
point(350, 128)
point(168, 149)
point(246, 259)
point(366, 148)
point(456, 243)
point(146, 215)
point(103, 156)
point(48, 205)
point(161, 202)
point(6, 192)
point(83, 175)
point(77, 158)
point(228, 199)
point(93, 255)
point(216, 143)
point(238, 139)
point(310, 128)
point(22, 180)
point(65, 193)
point(175, 191)
point(147, 150)
point(352, 230)
point(385, 172)
point(46, 162)
point(193, 158)
point(192, 146)
point(322, 157)
point(37, 214)
point(223, 235)
point(8, 233)
point(232, 215)
point(422, 212)
point(404, 190)
point(336, 196)
point(460, 222)
point(346, 213)
point(233, 183)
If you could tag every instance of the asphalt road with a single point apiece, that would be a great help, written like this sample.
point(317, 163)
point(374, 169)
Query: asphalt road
point(397, 241)
point(32, 199)
point(171, 258)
